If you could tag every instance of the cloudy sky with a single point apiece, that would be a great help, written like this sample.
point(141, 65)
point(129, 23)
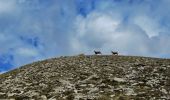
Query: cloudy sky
point(32, 30)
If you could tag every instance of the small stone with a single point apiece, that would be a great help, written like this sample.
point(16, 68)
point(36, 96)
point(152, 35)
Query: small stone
point(134, 84)
point(43, 97)
point(164, 91)
point(119, 79)
point(130, 91)
point(112, 95)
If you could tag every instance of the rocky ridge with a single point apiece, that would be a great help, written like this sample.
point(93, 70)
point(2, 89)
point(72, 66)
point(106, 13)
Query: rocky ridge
point(91, 77)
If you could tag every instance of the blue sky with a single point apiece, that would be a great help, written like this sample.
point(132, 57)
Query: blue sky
point(32, 30)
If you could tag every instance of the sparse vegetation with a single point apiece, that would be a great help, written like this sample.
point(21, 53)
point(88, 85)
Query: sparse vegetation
point(82, 77)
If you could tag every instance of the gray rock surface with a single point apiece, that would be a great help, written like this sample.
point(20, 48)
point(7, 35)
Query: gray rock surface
point(98, 77)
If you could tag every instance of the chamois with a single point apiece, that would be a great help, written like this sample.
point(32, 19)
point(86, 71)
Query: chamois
point(114, 53)
point(97, 52)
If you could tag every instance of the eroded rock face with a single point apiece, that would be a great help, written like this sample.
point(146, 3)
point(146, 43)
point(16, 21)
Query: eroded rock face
point(89, 77)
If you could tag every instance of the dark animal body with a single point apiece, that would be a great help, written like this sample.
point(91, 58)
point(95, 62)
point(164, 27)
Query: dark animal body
point(114, 53)
point(97, 52)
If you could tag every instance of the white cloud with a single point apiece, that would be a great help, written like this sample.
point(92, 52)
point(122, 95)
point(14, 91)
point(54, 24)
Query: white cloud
point(106, 31)
point(27, 52)
point(7, 6)
point(103, 31)
point(149, 25)
point(96, 24)
point(47, 24)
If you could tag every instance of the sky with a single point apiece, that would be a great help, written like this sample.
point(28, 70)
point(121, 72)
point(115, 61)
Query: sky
point(32, 30)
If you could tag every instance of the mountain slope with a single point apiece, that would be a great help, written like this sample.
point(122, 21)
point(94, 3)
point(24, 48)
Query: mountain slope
point(94, 77)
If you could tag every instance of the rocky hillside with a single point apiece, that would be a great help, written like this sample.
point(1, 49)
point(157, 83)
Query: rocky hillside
point(96, 77)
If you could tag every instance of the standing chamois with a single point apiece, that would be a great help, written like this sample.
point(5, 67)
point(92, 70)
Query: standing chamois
point(97, 52)
point(114, 53)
